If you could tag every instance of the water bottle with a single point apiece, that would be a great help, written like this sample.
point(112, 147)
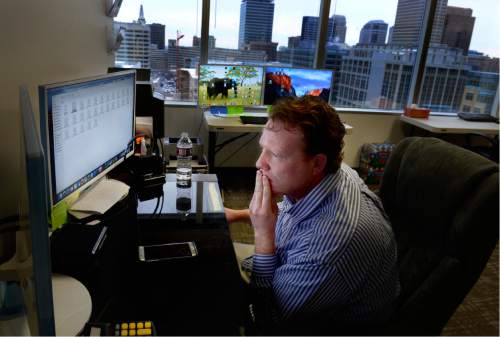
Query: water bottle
point(184, 150)
point(183, 201)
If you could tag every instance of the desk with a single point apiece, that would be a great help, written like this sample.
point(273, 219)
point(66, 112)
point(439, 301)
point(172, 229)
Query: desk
point(200, 295)
point(451, 124)
point(231, 124)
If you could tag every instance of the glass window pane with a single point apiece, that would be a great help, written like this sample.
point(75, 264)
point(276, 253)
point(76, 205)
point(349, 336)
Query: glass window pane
point(262, 31)
point(162, 36)
point(462, 70)
point(371, 47)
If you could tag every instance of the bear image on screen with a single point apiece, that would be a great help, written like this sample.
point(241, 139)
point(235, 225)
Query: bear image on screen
point(292, 82)
point(230, 85)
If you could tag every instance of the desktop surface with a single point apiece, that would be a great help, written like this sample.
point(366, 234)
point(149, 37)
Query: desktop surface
point(200, 295)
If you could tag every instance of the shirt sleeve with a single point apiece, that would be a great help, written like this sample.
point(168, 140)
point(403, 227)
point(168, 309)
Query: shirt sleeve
point(301, 288)
point(263, 269)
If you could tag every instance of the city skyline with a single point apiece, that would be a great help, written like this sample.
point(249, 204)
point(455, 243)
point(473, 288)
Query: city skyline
point(288, 22)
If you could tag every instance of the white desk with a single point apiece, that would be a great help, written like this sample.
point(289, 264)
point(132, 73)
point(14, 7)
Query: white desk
point(232, 124)
point(451, 124)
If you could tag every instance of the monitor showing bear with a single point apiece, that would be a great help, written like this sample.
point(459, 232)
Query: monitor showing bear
point(286, 82)
point(230, 85)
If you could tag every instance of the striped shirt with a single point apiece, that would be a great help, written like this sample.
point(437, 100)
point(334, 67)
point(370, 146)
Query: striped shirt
point(335, 255)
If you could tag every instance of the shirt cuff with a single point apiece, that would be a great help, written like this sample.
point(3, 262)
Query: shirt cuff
point(263, 269)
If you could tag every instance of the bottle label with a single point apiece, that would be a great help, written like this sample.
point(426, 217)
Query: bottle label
point(183, 152)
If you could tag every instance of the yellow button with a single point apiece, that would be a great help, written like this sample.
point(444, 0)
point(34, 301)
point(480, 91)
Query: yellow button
point(140, 332)
point(131, 333)
point(131, 326)
point(124, 326)
point(147, 332)
point(147, 324)
point(124, 333)
point(140, 325)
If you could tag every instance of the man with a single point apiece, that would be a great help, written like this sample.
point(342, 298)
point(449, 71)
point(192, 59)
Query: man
point(327, 253)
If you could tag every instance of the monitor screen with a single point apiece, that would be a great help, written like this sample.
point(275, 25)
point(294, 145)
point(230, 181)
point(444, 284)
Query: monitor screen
point(230, 85)
point(88, 127)
point(292, 82)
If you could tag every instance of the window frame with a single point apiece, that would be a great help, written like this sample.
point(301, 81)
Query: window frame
point(418, 74)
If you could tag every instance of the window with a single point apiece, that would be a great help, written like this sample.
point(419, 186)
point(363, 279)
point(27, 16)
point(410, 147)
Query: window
point(263, 31)
point(362, 40)
point(164, 36)
point(373, 47)
point(465, 55)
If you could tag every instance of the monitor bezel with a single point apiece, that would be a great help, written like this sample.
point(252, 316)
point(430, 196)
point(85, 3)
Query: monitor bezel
point(296, 68)
point(40, 312)
point(46, 139)
point(262, 77)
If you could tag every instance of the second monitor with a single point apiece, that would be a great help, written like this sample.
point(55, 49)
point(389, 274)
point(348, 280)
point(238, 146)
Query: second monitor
point(221, 85)
point(293, 82)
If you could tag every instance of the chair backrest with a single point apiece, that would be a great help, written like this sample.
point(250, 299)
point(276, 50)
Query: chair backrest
point(442, 201)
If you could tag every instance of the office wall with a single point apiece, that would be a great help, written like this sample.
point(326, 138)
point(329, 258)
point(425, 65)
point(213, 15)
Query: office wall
point(43, 42)
point(368, 128)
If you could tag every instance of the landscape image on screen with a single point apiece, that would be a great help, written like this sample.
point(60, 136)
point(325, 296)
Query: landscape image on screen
point(292, 82)
point(230, 85)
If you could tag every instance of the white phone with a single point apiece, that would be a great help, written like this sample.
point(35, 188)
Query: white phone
point(167, 251)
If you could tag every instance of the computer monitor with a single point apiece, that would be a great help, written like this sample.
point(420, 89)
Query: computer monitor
point(87, 128)
point(223, 84)
point(28, 264)
point(293, 82)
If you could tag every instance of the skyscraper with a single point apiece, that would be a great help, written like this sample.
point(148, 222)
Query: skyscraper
point(256, 21)
point(158, 35)
point(373, 32)
point(409, 21)
point(335, 32)
point(339, 29)
point(458, 26)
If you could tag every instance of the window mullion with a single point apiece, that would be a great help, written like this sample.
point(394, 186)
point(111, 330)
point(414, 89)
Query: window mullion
point(319, 56)
point(423, 47)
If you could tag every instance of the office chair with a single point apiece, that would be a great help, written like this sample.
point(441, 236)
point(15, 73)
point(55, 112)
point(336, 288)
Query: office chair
point(442, 201)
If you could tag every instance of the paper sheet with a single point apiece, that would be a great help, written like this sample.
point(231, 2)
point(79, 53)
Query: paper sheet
point(99, 198)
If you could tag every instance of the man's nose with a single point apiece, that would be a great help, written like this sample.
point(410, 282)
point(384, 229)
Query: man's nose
point(261, 162)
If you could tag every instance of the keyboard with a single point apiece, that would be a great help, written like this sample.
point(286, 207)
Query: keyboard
point(254, 117)
point(477, 117)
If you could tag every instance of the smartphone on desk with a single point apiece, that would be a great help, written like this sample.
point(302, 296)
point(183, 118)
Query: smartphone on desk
point(167, 251)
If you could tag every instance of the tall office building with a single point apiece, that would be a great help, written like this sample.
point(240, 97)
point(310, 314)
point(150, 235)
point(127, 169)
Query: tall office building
point(197, 41)
point(256, 21)
point(335, 32)
point(158, 35)
point(458, 26)
point(135, 49)
point(373, 32)
point(339, 29)
point(380, 77)
point(409, 20)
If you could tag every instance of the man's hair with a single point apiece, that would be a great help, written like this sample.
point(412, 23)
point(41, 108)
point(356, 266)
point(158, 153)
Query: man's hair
point(323, 131)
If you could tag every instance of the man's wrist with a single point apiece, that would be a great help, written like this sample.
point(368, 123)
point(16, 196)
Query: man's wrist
point(264, 243)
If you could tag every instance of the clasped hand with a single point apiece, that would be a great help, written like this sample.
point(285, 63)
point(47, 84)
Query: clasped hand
point(263, 215)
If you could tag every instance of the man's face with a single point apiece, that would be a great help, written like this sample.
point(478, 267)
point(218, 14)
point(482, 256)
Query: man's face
point(284, 161)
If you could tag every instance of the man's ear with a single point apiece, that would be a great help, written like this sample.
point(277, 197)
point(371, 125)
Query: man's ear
point(319, 163)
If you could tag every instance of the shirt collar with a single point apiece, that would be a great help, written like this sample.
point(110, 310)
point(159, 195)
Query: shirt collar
point(306, 205)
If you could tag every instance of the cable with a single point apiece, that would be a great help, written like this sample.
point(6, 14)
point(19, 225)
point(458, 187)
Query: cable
point(156, 207)
point(238, 149)
point(161, 207)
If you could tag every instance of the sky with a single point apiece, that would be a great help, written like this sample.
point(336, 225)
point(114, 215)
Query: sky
point(185, 16)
